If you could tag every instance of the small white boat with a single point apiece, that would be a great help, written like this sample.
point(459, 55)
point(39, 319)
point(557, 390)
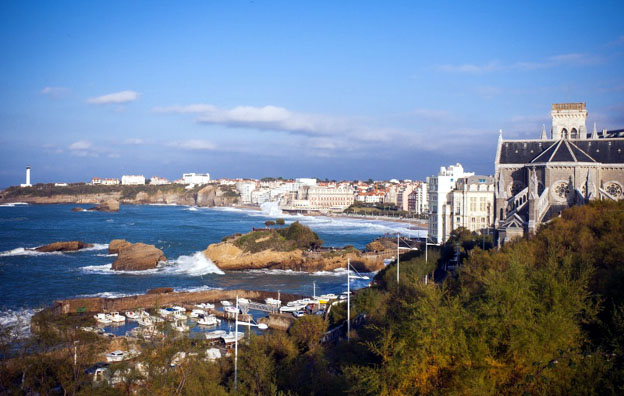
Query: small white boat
point(115, 356)
point(205, 306)
point(209, 320)
point(196, 313)
point(242, 300)
point(102, 318)
point(215, 334)
point(289, 308)
point(178, 308)
point(225, 303)
point(179, 316)
point(329, 296)
point(155, 319)
point(180, 326)
point(116, 317)
point(232, 337)
point(230, 309)
point(145, 321)
point(273, 301)
point(344, 295)
point(132, 315)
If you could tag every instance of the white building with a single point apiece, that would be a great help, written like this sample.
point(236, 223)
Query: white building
point(110, 181)
point(196, 178)
point(472, 204)
point(327, 198)
point(132, 180)
point(27, 184)
point(419, 198)
point(245, 189)
point(158, 181)
point(439, 200)
point(95, 181)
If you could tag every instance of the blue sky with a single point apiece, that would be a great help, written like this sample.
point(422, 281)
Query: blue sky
point(343, 90)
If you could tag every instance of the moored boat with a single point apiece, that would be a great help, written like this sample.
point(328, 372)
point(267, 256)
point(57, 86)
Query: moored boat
point(102, 318)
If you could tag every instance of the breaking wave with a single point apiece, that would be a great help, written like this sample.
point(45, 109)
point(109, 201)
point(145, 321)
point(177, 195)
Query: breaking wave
point(196, 265)
point(13, 204)
point(25, 252)
point(17, 320)
point(271, 209)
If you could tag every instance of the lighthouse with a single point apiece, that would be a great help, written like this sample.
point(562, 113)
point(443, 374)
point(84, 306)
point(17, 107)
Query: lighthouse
point(27, 184)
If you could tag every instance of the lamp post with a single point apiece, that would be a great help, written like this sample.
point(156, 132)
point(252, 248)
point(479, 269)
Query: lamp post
point(349, 276)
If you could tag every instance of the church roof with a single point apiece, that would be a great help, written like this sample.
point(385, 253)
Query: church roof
point(606, 151)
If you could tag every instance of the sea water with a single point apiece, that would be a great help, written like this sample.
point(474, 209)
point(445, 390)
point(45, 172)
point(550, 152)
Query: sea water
point(31, 280)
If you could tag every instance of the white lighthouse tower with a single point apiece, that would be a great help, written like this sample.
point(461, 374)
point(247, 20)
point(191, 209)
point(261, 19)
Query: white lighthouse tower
point(27, 184)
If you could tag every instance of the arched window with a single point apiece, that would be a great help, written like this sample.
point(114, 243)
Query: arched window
point(501, 213)
point(564, 133)
point(574, 134)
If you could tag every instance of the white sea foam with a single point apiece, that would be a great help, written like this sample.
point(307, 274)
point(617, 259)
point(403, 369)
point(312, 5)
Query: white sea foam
point(192, 208)
point(163, 204)
point(195, 265)
point(107, 255)
point(13, 204)
point(271, 209)
point(337, 272)
point(96, 246)
point(197, 288)
point(25, 252)
point(108, 295)
point(17, 320)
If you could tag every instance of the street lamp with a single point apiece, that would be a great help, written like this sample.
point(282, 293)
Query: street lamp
point(261, 326)
point(349, 276)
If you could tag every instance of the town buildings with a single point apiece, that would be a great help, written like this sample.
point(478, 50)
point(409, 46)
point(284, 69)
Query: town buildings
point(196, 178)
point(158, 181)
point(537, 178)
point(418, 199)
point(132, 180)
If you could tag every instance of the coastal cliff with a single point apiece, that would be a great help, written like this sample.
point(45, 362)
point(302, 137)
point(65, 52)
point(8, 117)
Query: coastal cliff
point(209, 195)
point(295, 247)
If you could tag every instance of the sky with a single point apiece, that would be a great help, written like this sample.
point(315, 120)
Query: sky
point(328, 89)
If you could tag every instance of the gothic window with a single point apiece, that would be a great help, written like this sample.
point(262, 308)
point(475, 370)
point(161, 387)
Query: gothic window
point(561, 190)
point(573, 133)
point(614, 189)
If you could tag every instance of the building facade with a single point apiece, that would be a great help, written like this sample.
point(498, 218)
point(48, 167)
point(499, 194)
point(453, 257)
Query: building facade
point(472, 204)
point(536, 179)
point(440, 226)
point(132, 179)
point(196, 178)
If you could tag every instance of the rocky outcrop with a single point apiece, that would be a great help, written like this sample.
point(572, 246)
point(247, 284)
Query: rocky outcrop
point(78, 209)
point(216, 196)
point(160, 290)
point(116, 245)
point(110, 205)
point(228, 257)
point(69, 246)
point(138, 257)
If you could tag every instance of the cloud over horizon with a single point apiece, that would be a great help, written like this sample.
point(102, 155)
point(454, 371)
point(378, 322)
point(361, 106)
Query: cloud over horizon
point(571, 59)
point(115, 98)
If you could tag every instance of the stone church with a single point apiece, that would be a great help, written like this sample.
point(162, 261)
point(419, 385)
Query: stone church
point(536, 179)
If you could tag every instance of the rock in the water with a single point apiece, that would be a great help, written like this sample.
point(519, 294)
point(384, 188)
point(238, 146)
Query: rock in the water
point(160, 290)
point(69, 246)
point(78, 209)
point(138, 257)
point(116, 245)
point(110, 205)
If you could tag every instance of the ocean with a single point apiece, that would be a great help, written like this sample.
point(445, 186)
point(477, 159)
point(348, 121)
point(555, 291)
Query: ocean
point(31, 280)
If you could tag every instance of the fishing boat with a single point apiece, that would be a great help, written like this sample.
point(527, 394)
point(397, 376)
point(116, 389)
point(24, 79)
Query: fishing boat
point(214, 335)
point(102, 318)
point(232, 336)
point(289, 308)
point(179, 325)
point(197, 313)
point(132, 315)
point(242, 300)
point(225, 303)
point(115, 356)
point(208, 320)
point(178, 315)
point(273, 301)
point(230, 309)
point(115, 317)
point(205, 306)
point(178, 308)
point(145, 321)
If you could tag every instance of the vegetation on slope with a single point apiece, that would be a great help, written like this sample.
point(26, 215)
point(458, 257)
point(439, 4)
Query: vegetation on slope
point(295, 236)
point(543, 316)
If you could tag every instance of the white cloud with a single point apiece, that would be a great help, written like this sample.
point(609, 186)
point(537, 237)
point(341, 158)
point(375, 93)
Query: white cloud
point(572, 59)
point(55, 92)
point(194, 144)
point(81, 145)
point(115, 98)
point(264, 118)
point(133, 141)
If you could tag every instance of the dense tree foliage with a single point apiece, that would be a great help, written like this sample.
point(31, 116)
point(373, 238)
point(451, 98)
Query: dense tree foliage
point(541, 316)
